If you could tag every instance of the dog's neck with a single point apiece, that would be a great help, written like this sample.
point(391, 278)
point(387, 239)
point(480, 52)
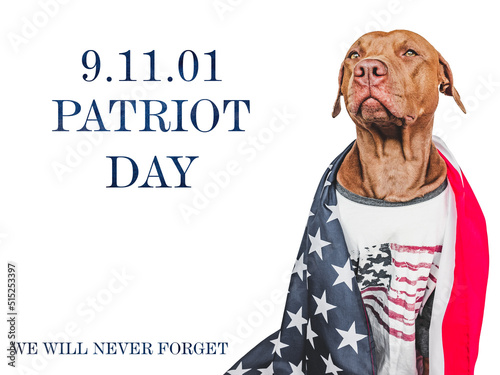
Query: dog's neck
point(393, 163)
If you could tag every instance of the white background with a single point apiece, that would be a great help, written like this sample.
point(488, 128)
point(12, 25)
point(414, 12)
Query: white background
point(217, 275)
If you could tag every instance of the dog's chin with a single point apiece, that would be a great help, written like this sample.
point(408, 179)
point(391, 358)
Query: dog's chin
point(373, 112)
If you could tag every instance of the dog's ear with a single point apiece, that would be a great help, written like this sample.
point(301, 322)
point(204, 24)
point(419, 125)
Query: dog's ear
point(337, 107)
point(446, 84)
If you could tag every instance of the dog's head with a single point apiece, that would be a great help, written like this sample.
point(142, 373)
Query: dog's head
point(393, 78)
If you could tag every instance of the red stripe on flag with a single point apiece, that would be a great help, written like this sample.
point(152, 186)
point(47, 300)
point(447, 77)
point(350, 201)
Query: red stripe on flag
point(416, 249)
point(433, 278)
point(411, 282)
point(384, 289)
point(411, 266)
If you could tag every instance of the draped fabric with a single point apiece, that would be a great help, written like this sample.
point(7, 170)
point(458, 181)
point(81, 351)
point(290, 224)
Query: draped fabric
point(325, 329)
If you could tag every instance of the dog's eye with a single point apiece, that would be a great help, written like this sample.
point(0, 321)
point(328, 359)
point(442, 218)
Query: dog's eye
point(353, 55)
point(410, 53)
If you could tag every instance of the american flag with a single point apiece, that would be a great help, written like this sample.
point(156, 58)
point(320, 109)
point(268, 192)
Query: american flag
point(325, 329)
point(395, 303)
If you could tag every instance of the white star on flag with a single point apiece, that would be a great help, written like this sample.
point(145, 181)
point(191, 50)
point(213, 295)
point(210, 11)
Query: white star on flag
point(278, 345)
point(310, 335)
point(377, 267)
point(300, 267)
point(323, 306)
point(239, 370)
point(296, 370)
point(368, 277)
point(297, 320)
point(317, 243)
point(350, 337)
point(335, 212)
point(267, 371)
point(345, 275)
point(330, 367)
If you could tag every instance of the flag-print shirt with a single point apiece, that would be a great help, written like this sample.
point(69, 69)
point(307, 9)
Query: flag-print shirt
point(395, 250)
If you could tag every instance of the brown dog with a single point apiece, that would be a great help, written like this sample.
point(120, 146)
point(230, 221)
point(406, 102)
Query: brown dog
point(391, 83)
point(390, 86)
point(402, 251)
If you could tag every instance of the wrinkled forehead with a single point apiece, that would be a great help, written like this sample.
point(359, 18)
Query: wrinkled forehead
point(378, 42)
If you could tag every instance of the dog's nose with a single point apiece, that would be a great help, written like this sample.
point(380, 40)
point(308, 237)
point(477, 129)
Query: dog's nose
point(370, 72)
